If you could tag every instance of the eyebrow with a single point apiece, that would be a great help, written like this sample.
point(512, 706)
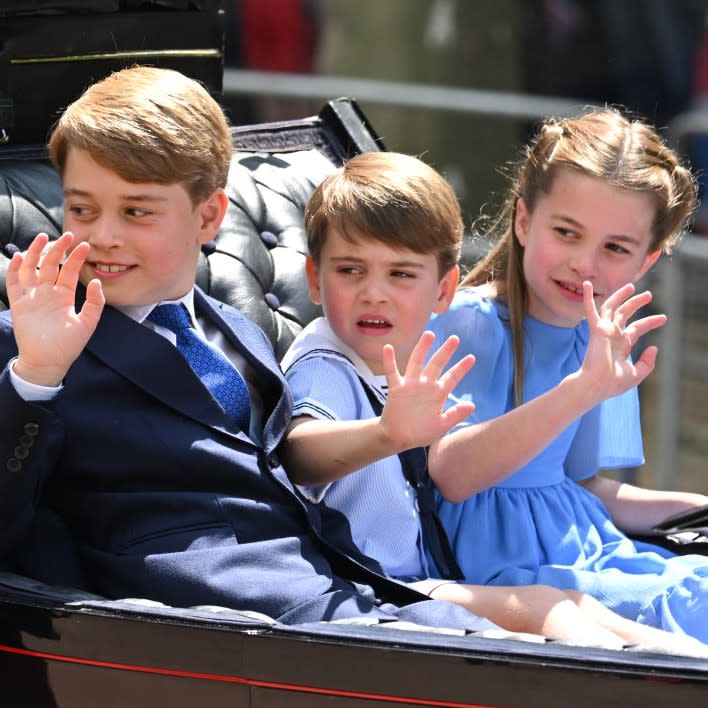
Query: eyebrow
point(74, 192)
point(622, 238)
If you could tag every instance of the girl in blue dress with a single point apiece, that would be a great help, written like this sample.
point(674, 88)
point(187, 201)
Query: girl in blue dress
point(592, 205)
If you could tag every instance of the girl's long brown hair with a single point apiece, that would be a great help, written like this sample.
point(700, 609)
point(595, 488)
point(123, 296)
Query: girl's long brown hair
point(602, 143)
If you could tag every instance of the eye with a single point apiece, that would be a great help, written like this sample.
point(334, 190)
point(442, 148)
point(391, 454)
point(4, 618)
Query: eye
point(137, 212)
point(402, 274)
point(616, 248)
point(564, 232)
point(349, 270)
point(79, 211)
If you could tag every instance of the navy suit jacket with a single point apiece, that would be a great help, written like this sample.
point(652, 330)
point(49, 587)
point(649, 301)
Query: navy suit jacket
point(167, 499)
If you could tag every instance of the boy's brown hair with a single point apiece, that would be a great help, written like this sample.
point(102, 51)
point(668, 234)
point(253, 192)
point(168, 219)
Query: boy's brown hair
point(394, 198)
point(149, 125)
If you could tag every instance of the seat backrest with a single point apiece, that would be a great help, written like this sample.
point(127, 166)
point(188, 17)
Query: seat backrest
point(256, 262)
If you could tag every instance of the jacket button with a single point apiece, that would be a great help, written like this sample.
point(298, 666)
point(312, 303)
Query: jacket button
point(27, 441)
point(31, 429)
point(21, 452)
point(273, 461)
point(14, 465)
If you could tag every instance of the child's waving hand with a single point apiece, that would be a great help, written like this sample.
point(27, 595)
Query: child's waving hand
point(414, 414)
point(50, 334)
point(607, 363)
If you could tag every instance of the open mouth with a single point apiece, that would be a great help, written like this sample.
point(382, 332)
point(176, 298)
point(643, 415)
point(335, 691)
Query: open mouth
point(577, 289)
point(570, 287)
point(110, 268)
point(373, 324)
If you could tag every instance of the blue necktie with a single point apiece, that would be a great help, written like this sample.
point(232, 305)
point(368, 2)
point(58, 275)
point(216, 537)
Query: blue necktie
point(216, 372)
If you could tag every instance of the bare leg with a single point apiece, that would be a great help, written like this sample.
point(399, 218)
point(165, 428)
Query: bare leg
point(536, 609)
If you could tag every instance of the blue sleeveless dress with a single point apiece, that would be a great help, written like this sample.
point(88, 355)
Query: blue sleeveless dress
point(538, 525)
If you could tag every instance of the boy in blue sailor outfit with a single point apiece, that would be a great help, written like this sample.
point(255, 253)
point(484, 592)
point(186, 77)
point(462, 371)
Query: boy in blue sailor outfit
point(384, 235)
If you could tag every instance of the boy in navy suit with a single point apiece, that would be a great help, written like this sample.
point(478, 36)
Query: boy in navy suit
point(106, 425)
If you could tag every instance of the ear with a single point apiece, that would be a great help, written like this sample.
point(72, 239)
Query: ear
point(313, 280)
point(521, 221)
point(211, 212)
point(648, 263)
point(446, 289)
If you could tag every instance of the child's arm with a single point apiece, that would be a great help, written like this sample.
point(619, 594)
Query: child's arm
point(321, 451)
point(636, 510)
point(479, 456)
point(50, 334)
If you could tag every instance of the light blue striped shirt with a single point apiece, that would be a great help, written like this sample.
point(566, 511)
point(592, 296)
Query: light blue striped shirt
point(327, 380)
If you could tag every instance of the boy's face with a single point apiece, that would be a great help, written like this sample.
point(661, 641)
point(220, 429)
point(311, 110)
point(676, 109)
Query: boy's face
point(374, 295)
point(145, 238)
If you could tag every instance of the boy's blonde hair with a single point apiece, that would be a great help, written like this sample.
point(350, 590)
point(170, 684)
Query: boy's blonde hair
point(393, 198)
point(149, 125)
point(603, 143)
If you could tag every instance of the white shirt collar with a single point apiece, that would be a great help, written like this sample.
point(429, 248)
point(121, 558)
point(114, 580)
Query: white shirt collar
point(319, 337)
point(140, 312)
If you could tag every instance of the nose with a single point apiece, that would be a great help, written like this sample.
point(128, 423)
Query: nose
point(372, 290)
point(583, 262)
point(104, 232)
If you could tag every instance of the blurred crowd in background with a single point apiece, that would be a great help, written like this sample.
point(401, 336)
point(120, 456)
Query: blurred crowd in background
point(648, 55)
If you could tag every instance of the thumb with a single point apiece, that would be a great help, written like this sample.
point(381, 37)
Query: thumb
point(390, 367)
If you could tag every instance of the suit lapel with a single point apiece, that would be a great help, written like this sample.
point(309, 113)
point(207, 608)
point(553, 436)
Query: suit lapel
point(153, 364)
point(250, 341)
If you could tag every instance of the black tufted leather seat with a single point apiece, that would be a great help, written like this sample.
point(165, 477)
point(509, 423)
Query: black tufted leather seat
point(256, 262)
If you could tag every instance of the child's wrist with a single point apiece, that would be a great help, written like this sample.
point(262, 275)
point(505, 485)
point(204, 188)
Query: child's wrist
point(388, 444)
point(581, 392)
point(39, 376)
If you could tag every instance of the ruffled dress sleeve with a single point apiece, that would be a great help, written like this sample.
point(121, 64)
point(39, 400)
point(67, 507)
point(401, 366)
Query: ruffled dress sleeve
point(482, 332)
point(606, 437)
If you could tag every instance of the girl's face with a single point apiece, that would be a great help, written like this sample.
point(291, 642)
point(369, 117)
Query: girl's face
point(583, 229)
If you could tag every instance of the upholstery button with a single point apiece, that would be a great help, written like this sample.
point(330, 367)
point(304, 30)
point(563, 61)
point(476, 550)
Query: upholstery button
point(269, 239)
point(10, 249)
point(31, 429)
point(21, 452)
point(272, 301)
point(14, 465)
point(209, 248)
point(273, 461)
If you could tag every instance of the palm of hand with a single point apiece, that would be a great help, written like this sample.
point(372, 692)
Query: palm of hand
point(50, 334)
point(607, 360)
point(46, 324)
point(414, 414)
point(608, 354)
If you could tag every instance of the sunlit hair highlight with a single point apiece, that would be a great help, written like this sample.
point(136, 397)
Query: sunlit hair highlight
point(149, 125)
point(393, 198)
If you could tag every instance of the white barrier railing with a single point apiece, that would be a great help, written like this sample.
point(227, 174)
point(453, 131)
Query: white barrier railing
point(440, 98)
point(523, 107)
point(674, 362)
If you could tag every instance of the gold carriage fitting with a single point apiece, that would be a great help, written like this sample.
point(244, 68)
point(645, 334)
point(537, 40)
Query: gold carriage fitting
point(51, 50)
